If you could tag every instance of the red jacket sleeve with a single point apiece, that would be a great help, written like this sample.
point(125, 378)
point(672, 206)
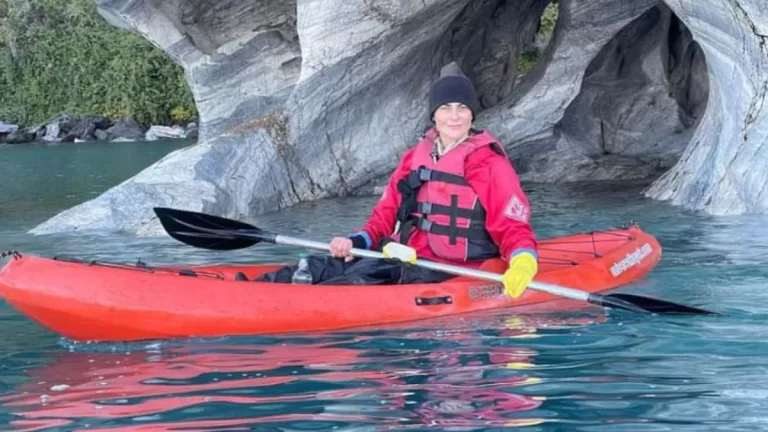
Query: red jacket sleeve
point(495, 181)
point(383, 217)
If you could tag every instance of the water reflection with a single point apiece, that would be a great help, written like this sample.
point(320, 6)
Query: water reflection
point(409, 377)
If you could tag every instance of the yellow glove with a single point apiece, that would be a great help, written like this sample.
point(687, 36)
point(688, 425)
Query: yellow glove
point(522, 269)
point(399, 251)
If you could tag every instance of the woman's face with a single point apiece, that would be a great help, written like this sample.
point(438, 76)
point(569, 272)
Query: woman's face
point(453, 121)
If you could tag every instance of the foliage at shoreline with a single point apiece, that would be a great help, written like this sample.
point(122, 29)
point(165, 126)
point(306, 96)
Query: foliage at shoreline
point(62, 56)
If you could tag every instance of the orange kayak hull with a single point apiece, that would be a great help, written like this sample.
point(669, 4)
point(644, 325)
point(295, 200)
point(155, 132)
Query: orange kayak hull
point(97, 301)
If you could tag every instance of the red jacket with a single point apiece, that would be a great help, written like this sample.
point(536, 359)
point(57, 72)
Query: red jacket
point(494, 180)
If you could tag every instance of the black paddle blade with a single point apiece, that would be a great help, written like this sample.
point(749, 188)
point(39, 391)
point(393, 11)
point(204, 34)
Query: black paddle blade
point(208, 231)
point(649, 305)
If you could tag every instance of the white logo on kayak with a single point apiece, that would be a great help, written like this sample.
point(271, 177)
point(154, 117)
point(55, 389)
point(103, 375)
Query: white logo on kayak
point(632, 259)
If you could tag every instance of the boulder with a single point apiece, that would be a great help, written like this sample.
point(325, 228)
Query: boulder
point(6, 128)
point(126, 129)
point(101, 135)
point(164, 132)
point(19, 136)
point(58, 126)
point(85, 128)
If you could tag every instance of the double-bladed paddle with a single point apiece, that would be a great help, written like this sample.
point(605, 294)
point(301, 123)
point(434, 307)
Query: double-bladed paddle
point(218, 233)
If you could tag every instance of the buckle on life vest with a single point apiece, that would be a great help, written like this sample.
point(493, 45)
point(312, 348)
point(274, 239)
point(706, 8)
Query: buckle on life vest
point(424, 224)
point(417, 177)
point(425, 208)
point(425, 174)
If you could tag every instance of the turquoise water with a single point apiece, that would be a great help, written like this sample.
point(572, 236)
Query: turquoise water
point(581, 370)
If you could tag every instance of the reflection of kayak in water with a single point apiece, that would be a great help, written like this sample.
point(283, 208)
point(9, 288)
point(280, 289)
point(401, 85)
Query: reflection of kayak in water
point(116, 302)
point(108, 387)
point(115, 383)
point(347, 380)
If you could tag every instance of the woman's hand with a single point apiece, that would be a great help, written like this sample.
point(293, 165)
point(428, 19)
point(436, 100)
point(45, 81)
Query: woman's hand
point(341, 247)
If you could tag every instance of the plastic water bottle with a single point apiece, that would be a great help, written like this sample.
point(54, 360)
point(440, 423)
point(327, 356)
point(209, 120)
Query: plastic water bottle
point(302, 274)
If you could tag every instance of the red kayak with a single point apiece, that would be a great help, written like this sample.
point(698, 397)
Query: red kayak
point(102, 301)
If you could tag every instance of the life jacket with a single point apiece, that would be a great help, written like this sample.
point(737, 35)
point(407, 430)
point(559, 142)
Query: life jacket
point(437, 198)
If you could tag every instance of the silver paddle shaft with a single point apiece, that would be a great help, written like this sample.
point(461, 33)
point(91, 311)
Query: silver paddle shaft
point(447, 268)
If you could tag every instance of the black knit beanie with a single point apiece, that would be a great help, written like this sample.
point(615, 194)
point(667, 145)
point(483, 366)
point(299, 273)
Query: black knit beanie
point(452, 86)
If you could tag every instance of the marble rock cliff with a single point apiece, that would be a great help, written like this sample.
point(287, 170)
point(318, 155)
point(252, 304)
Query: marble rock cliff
point(301, 100)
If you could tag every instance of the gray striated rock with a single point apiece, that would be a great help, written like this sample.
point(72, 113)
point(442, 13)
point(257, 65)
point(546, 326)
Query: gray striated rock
point(627, 114)
point(361, 96)
point(622, 91)
point(242, 58)
point(232, 174)
point(724, 169)
point(542, 120)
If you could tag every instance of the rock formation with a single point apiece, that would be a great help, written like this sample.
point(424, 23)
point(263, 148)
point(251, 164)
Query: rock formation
point(321, 98)
point(724, 169)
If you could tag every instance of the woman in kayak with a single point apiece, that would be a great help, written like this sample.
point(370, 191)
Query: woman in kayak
point(454, 198)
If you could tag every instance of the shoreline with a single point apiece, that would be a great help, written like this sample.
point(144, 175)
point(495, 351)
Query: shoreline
point(67, 128)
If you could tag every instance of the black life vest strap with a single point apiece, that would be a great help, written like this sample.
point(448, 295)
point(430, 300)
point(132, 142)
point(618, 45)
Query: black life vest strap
point(453, 220)
point(475, 233)
point(417, 177)
point(476, 214)
point(440, 176)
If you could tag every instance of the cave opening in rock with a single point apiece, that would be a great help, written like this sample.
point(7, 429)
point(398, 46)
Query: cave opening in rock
point(534, 49)
point(640, 100)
